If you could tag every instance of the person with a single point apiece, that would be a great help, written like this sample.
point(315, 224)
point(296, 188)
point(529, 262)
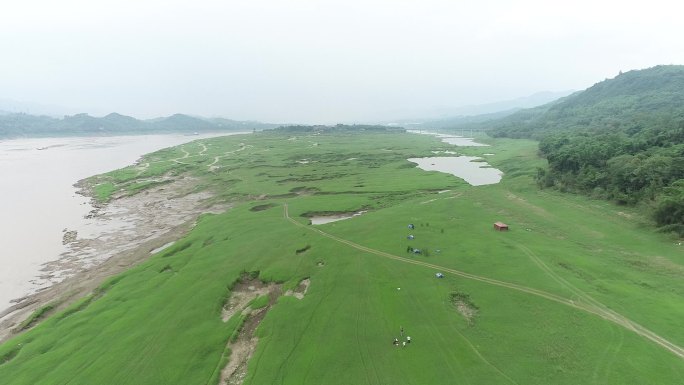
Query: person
point(408, 339)
point(401, 330)
point(403, 344)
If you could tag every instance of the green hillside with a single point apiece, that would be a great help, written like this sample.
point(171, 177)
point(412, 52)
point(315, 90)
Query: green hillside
point(621, 139)
point(575, 293)
point(629, 103)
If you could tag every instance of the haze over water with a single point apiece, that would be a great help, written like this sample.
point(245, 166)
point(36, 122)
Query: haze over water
point(38, 200)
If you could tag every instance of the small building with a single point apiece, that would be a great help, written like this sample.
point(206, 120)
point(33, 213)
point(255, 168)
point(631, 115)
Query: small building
point(500, 226)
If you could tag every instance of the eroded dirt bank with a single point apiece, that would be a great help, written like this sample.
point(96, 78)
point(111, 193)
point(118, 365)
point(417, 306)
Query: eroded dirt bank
point(127, 229)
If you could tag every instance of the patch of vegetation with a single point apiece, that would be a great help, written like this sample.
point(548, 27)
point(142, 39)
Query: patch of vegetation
point(303, 249)
point(262, 207)
point(305, 190)
point(259, 302)
point(175, 249)
point(104, 191)
point(249, 275)
point(78, 306)
point(36, 316)
point(9, 354)
point(242, 318)
point(208, 241)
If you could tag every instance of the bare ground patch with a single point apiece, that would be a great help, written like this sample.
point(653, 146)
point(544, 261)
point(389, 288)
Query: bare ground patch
point(300, 291)
point(243, 345)
point(465, 306)
point(242, 293)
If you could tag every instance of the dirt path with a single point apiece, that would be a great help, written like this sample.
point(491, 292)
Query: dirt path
point(590, 306)
point(212, 166)
point(186, 154)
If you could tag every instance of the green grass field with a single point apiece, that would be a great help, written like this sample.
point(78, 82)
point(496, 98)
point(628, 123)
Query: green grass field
point(577, 292)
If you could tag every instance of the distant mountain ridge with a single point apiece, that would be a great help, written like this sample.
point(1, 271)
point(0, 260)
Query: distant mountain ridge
point(14, 125)
point(449, 117)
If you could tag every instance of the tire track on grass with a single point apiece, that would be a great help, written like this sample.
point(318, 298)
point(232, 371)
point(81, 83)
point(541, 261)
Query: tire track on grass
point(604, 363)
point(599, 310)
point(361, 353)
point(280, 371)
point(607, 312)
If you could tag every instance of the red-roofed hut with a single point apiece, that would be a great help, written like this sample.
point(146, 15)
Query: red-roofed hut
point(500, 226)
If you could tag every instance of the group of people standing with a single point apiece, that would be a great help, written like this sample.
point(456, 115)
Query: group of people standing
point(403, 343)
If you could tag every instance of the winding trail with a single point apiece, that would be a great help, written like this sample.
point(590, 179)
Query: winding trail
point(185, 155)
point(585, 302)
point(212, 166)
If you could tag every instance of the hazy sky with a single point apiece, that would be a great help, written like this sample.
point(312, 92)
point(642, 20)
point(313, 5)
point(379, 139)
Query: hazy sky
point(321, 61)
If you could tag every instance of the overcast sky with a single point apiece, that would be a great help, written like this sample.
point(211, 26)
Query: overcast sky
point(320, 61)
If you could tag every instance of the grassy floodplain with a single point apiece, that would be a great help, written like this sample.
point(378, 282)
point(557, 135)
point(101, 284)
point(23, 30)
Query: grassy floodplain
point(578, 292)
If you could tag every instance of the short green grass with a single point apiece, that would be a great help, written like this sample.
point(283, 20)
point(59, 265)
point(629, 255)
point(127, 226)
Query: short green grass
point(160, 322)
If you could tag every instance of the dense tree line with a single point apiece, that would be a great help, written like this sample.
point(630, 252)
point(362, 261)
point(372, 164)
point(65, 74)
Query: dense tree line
point(622, 139)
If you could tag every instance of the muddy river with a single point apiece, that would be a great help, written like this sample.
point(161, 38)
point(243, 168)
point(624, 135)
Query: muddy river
point(38, 201)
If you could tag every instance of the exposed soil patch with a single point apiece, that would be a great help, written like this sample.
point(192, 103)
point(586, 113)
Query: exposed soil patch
point(130, 227)
point(242, 293)
point(300, 291)
point(243, 345)
point(465, 306)
point(303, 191)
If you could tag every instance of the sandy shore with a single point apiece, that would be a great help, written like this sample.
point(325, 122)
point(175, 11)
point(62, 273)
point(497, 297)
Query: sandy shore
point(131, 227)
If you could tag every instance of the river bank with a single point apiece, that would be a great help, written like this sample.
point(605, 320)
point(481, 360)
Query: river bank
point(57, 245)
point(146, 222)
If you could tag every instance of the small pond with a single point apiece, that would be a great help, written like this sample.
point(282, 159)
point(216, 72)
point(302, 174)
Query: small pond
point(323, 219)
point(452, 139)
point(469, 168)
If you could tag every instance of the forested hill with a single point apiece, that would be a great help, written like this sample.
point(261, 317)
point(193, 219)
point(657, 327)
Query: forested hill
point(621, 139)
point(23, 125)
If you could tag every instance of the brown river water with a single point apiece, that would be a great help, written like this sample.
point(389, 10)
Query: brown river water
point(38, 201)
